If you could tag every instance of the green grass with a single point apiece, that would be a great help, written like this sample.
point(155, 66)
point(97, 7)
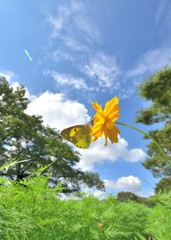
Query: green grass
point(35, 211)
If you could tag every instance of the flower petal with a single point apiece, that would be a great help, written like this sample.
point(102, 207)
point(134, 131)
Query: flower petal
point(104, 120)
point(97, 130)
point(113, 134)
point(110, 105)
point(97, 106)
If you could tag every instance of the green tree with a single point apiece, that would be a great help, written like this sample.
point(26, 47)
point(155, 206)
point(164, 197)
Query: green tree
point(164, 185)
point(126, 196)
point(24, 137)
point(129, 196)
point(157, 90)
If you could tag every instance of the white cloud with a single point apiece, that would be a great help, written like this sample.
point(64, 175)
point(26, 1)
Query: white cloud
point(88, 27)
point(59, 54)
point(98, 153)
point(74, 45)
point(15, 85)
point(129, 183)
point(163, 14)
point(104, 70)
point(160, 10)
point(151, 61)
point(72, 17)
point(8, 75)
point(101, 73)
point(99, 194)
point(57, 111)
point(69, 81)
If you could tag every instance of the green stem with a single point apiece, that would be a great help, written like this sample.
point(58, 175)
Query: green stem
point(154, 141)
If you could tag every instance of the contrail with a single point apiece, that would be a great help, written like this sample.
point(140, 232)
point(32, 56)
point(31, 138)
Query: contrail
point(28, 55)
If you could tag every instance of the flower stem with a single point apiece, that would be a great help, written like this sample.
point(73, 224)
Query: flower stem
point(154, 141)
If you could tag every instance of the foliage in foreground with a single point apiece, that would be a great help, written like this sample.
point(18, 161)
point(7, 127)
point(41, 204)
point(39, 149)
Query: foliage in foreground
point(35, 211)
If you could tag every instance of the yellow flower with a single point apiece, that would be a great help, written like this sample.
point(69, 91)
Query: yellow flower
point(104, 120)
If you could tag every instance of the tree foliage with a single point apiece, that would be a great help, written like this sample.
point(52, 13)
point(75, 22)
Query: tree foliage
point(24, 137)
point(129, 196)
point(126, 196)
point(157, 90)
point(164, 185)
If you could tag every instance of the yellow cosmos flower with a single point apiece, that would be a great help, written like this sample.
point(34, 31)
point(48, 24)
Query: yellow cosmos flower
point(104, 120)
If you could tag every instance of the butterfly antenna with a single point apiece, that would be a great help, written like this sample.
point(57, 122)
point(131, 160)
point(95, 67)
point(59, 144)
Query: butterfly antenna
point(86, 117)
point(88, 122)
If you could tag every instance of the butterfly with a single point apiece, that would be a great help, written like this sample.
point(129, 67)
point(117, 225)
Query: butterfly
point(79, 135)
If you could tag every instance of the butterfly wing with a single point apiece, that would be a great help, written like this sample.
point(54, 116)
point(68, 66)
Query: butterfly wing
point(79, 135)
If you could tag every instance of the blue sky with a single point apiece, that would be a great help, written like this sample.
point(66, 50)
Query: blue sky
point(70, 53)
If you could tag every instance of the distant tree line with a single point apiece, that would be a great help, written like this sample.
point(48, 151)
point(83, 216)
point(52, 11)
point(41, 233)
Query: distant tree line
point(129, 196)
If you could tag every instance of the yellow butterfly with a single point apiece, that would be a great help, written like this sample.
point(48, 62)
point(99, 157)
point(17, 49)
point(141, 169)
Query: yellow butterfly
point(79, 135)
